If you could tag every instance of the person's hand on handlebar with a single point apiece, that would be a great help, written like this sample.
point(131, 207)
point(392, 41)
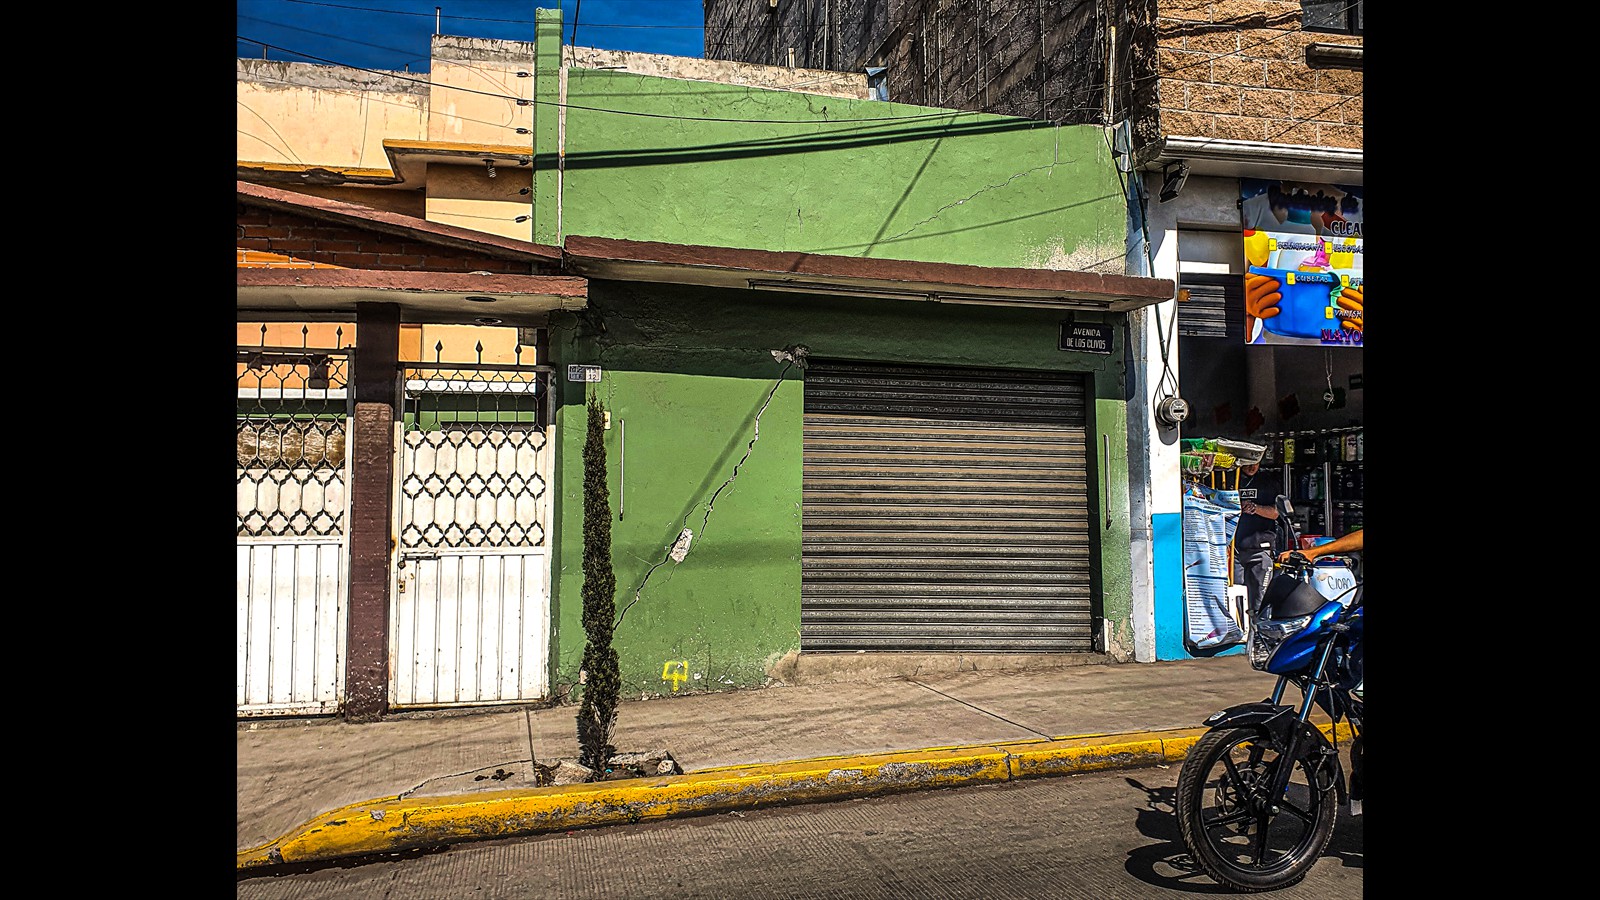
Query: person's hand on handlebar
point(1350, 543)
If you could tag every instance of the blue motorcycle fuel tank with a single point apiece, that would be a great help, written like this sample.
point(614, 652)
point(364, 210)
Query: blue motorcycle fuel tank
point(1298, 651)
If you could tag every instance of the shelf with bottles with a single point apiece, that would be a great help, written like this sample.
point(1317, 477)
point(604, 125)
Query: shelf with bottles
point(1347, 482)
point(1324, 476)
point(1347, 516)
point(1317, 446)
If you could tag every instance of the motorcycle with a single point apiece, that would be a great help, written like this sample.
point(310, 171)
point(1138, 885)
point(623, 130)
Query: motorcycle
point(1259, 793)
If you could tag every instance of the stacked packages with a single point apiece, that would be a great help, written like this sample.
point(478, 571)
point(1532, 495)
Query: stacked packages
point(1202, 456)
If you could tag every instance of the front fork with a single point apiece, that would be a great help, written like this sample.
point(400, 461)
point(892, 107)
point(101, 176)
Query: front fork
point(1300, 734)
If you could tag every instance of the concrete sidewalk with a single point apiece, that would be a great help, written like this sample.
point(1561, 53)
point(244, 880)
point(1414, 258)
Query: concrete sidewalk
point(311, 791)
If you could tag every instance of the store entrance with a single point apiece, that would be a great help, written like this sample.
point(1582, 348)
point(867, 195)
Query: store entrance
point(1306, 405)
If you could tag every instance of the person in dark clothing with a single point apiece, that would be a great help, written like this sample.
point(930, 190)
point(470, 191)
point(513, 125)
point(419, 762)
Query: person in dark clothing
point(1255, 539)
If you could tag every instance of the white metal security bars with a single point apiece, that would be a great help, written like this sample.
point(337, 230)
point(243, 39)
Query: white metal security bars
point(471, 608)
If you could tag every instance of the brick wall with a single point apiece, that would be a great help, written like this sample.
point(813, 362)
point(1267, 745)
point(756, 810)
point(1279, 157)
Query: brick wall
point(313, 240)
point(1236, 69)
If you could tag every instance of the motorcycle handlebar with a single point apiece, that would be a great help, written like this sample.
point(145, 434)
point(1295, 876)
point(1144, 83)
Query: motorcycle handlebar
point(1296, 560)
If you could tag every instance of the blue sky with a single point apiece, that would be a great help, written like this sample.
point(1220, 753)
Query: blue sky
point(394, 34)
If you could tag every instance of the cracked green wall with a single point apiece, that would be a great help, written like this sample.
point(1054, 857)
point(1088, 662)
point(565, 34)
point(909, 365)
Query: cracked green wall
point(684, 397)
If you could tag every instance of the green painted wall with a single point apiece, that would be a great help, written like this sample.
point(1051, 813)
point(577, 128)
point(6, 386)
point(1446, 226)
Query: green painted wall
point(687, 369)
point(1115, 585)
point(830, 175)
point(685, 372)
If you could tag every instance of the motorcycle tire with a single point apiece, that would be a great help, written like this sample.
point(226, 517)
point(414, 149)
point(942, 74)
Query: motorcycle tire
point(1232, 832)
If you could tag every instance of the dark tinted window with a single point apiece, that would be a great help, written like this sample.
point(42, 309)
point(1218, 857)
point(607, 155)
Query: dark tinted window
point(1337, 16)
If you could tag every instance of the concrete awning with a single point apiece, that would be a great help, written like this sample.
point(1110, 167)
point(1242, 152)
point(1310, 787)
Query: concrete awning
point(851, 276)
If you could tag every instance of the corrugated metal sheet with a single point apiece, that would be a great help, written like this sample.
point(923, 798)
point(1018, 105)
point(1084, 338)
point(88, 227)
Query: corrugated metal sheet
point(1214, 308)
point(1205, 313)
point(945, 509)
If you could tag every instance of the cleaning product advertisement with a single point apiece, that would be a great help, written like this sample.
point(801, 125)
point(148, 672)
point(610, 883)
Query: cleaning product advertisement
point(1304, 255)
point(1209, 519)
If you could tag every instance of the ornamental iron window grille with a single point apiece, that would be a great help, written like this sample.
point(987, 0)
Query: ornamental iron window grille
point(473, 442)
point(290, 427)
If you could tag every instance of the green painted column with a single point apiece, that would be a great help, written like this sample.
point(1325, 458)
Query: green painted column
point(1109, 465)
point(546, 127)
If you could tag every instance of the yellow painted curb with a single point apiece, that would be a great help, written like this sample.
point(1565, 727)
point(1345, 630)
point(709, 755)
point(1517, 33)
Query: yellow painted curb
point(1069, 755)
point(388, 825)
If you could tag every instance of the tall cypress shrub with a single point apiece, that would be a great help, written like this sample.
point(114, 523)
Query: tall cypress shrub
point(597, 712)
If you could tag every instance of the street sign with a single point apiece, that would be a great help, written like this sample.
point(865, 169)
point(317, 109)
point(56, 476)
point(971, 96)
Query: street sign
point(1086, 338)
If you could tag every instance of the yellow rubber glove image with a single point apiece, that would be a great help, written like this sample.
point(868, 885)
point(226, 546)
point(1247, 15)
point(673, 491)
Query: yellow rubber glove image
point(1351, 298)
point(1257, 247)
point(1261, 296)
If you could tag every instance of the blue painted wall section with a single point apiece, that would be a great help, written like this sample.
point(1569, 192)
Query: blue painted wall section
point(1166, 531)
point(1166, 579)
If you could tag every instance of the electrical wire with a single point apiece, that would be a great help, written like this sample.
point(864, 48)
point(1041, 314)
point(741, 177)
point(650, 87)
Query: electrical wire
point(1167, 383)
point(400, 12)
point(1166, 376)
point(769, 27)
point(366, 95)
point(1129, 82)
point(403, 12)
point(524, 101)
point(880, 120)
point(325, 34)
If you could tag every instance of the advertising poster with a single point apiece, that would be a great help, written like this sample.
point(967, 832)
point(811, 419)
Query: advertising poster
point(1304, 255)
point(1209, 518)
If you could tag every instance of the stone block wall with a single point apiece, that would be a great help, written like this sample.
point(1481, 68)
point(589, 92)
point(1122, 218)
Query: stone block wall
point(1236, 70)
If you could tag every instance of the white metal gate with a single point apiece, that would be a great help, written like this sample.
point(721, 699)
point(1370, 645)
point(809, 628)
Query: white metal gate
point(291, 508)
point(470, 623)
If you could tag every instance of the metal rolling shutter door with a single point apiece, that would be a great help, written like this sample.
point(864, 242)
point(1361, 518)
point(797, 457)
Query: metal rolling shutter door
point(945, 509)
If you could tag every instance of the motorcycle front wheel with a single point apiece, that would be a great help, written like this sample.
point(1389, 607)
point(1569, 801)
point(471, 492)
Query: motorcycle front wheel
point(1236, 833)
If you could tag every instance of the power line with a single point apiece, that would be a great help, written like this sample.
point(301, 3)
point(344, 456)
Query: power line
point(730, 25)
point(403, 12)
point(1282, 34)
point(330, 36)
point(881, 120)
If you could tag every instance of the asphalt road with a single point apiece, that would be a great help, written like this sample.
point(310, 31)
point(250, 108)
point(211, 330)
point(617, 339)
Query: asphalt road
point(1103, 835)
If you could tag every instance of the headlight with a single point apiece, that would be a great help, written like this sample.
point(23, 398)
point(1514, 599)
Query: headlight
point(1267, 634)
